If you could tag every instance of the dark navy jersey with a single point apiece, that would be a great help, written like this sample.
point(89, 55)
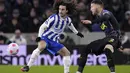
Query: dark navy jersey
point(107, 23)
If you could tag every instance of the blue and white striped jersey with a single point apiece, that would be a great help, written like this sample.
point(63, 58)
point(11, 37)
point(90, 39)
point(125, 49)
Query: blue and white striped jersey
point(56, 25)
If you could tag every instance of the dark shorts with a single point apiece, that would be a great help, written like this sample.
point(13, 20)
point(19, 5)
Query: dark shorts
point(97, 46)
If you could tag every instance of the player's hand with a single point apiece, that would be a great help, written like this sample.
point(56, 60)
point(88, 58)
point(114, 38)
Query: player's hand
point(80, 34)
point(120, 49)
point(25, 69)
point(38, 39)
point(86, 22)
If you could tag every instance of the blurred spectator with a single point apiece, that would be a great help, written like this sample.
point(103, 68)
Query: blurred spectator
point(15, 22)
point(23, 7)
point(126, 23)
point(38, 8)
point(82, 12)
point(66, 39)
point(125, 40)
point(2, 10)
point(106, 3)
point(84, 1)
point(48, 12)
point(1, 40)
point(118, 10)
point(81, 6)
point(125, 46)
point(9, 6)
point(33, 13)
point(41, 9)
point(47, 3)
point(81, 27)
point(4, 39)
point(129, 5)
point(34, 25)
point(18, 38)
point(34, 22)
point(3, 25)
point(32, 41)
point(126, 4)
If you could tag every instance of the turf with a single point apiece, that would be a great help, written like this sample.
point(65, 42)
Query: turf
point(59, 69)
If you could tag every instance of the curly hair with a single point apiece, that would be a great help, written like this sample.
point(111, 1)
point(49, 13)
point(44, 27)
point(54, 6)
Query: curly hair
point(70, 6)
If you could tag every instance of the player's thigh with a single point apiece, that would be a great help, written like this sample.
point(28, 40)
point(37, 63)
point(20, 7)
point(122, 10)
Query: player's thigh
point(97, 46)
point(42, 45)
point(114, 42)
point(64, 52)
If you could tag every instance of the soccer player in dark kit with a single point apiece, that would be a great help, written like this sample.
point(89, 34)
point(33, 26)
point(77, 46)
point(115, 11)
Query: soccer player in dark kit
point(109, 25)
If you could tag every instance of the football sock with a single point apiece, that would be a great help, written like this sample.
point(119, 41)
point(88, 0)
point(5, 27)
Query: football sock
point(34, 55)
point(110, 60)
point(67, 63)
point(78, 72)
point(112, 72)
point(82, 62)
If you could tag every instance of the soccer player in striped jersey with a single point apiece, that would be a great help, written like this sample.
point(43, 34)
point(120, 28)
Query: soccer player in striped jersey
point(48, 36)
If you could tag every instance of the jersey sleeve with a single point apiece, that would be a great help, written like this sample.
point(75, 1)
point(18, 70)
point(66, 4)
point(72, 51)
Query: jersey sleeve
point(71, 26)
point(45, 25)
point(49, 20)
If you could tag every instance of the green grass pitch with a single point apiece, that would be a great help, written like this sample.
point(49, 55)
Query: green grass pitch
point(59, 69)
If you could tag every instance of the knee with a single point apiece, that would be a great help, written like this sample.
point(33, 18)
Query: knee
point(37, 50)
point(109, 47)
point(41, 45)
point(67, 53)
point(83, 56)
point(64, 52)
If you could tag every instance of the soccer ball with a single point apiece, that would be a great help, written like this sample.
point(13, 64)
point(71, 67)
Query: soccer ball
point(13, 48)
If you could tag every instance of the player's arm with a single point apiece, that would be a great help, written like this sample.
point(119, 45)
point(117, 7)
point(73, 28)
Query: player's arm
point(43, 27)
point(71, 26)
point(105, 17)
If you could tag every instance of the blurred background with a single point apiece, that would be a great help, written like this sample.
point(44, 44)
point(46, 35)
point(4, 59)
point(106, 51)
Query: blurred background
point(21, 19)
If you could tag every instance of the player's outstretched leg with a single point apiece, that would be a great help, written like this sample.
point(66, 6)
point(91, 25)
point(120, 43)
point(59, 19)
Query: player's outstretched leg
point(66, 59)
point(35, 54)
point(81, 62)
point(109, 50)
point(82, 59)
